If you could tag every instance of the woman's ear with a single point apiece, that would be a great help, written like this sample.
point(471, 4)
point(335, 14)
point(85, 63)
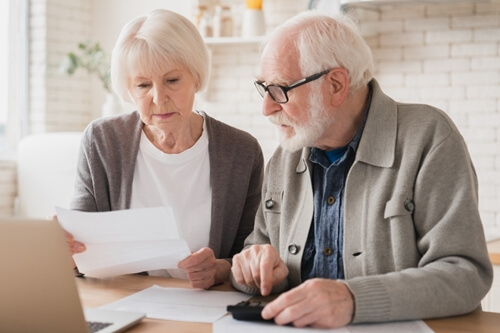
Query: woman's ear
point(338, 85)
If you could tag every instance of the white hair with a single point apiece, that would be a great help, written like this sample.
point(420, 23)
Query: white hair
point(152, 42)
point(325, 42)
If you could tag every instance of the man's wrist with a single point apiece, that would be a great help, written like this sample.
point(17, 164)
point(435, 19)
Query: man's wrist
point(352, 300)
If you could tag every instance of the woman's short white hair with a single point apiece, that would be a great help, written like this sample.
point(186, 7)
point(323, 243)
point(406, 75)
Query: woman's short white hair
point(324, 42)
point(149, 44)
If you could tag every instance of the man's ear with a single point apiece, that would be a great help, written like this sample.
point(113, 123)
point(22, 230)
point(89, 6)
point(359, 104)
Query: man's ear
point(338, 85)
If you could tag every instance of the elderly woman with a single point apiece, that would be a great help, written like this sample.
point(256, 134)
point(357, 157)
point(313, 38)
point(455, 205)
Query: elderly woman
point(166, 154)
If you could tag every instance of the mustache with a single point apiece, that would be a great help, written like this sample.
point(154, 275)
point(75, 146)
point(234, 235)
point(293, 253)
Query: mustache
point(281, 119)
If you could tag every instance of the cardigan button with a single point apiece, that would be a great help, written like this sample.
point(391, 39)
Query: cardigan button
point(269, 203)
point(293, 249)
point(409, 205)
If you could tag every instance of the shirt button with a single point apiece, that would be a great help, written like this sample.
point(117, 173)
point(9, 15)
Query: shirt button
point(409, 205)
point(293, 249)
point(327, 251)
point(269, 203)
point(331, 200)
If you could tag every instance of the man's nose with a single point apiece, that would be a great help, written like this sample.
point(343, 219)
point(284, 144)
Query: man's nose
point(269, 106)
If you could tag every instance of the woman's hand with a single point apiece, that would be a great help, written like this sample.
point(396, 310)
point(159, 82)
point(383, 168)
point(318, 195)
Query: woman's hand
point(73, 245)
point(204, 270)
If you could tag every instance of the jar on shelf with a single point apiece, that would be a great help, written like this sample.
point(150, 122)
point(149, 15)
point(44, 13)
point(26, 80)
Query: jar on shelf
point(225, 21)
point(200, 10)
point(216, 21)
point(205, 27)
point(253, 20)
point(222, 22)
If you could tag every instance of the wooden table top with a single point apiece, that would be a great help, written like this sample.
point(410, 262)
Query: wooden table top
point(494, 252)
point(97, 292)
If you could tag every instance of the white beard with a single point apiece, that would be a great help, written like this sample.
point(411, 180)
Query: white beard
point(304, 135)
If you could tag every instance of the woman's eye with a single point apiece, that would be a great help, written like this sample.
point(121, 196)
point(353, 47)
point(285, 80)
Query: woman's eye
point(174, 80)
point(143, 85)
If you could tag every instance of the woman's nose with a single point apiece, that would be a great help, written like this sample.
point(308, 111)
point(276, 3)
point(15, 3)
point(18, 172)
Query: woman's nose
point(159, 95)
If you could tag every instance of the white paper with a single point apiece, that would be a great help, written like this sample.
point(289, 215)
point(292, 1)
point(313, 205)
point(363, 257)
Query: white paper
point(124, 241)
point(181, 304)
point(229, 325)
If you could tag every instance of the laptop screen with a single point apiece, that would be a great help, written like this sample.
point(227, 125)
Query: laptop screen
point(38, 292)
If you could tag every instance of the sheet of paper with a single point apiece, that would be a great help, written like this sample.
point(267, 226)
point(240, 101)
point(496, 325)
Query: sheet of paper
point(195, 305)
point(125, 241)
point(229, 325)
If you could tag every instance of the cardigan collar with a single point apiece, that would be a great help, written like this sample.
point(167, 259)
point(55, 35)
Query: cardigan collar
point(378, 141)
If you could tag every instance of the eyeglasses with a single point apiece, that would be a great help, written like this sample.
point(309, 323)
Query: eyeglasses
point(279, 93)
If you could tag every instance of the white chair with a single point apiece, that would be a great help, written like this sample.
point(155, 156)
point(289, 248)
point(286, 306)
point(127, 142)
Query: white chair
point(46, 169)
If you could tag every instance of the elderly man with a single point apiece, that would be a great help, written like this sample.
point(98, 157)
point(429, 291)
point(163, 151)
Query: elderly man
point(369, 210)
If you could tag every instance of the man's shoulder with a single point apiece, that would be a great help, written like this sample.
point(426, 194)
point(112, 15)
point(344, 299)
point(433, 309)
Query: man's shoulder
point(424, 118)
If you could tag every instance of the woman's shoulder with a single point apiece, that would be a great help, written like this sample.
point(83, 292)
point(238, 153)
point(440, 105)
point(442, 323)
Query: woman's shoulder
point(116, 133)
point(120, 125)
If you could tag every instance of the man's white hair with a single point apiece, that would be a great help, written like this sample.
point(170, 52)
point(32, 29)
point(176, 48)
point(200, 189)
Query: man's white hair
point(324, 42)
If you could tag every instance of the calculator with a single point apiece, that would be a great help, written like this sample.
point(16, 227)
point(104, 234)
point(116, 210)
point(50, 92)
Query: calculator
point(248, 310)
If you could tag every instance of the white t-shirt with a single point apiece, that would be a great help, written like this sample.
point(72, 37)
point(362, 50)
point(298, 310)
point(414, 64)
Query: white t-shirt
point(181, 181)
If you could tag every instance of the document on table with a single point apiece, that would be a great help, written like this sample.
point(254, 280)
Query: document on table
point(229, 325)
point(195, 305)
point(125, 241)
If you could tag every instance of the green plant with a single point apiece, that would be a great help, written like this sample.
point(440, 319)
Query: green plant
point(92, 58)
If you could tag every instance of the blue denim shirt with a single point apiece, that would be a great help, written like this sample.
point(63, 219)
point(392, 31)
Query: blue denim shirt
point(323, 255)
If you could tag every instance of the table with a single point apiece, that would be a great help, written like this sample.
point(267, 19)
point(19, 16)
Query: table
point(492, 300)
point(97, 292)
point(494, 251)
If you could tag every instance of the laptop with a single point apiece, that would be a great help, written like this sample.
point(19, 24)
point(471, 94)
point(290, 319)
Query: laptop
point(38, 291)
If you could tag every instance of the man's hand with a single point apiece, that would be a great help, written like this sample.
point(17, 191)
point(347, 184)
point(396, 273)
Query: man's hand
point(259, 266)
point(318, 303)
point(203, 270)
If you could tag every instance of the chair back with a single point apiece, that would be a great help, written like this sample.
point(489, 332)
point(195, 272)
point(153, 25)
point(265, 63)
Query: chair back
point(46, 170)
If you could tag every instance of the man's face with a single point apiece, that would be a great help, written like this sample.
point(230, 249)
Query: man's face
point(295, 136)
point(304, 118)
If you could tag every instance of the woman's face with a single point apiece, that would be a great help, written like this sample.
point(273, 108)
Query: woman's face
point(164, 100)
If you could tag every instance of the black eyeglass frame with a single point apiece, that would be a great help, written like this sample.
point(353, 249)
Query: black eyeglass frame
point(286, 89)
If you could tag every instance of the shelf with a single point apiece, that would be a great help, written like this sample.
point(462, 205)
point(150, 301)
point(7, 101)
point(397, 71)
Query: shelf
point(375, 4)
point(233, 40)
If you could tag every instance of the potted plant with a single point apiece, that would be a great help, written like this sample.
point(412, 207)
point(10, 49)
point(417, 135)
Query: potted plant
point(92, 58)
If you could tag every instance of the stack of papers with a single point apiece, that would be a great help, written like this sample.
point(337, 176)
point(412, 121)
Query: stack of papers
point(125, 241)
point(230, 325)
point(194, 305)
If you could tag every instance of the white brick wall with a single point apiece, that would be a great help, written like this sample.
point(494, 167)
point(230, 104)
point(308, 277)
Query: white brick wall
point(57, 102)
